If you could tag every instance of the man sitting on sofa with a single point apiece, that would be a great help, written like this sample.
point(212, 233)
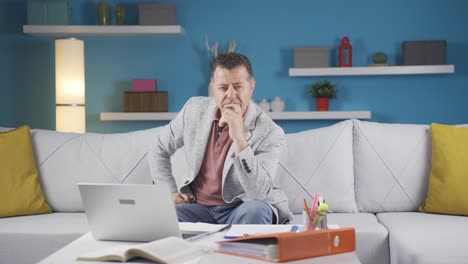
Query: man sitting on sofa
point(232, 148)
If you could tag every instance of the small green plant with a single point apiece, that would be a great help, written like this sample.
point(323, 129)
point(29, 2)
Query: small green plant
point(323, 89)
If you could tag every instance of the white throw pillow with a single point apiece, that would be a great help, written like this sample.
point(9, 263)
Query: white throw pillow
point(64, 159)
point(319, 161)
point(391, 166)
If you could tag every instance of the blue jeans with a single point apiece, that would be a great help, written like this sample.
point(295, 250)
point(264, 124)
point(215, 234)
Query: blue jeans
point(250, 212)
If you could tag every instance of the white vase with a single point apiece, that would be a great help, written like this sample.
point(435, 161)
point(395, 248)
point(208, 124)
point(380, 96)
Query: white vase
point(264, 105)
point(277, 105)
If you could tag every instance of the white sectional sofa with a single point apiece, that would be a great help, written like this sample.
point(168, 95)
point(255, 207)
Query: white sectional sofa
point(374, 177)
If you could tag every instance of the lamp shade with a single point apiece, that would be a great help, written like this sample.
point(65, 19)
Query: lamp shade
point(70, 85)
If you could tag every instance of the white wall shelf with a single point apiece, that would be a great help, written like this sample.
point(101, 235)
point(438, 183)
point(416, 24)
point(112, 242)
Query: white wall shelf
point(322, 115)
point(46, 30)
point(374, 70)
point(137, 116)
point(167, 116)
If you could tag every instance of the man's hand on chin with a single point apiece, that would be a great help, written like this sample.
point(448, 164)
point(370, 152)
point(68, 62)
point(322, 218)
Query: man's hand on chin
point(231, 116)
point(180, 198)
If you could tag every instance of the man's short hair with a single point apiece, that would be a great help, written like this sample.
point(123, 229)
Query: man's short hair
point(230, 61)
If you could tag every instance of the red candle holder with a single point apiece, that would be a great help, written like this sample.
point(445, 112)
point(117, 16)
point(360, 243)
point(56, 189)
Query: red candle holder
point(345, 47)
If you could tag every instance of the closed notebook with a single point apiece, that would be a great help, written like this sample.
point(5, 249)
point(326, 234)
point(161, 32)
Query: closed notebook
point(169, 250)
point(199, 228)
point(287, 246)
point(247, 230)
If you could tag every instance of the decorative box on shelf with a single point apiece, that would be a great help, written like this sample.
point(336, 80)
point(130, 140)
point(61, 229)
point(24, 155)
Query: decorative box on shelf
point(311, 57)
point(157, 14)
point(431, 52)
point(144, 85)
point(48, 12)
point(145, 101)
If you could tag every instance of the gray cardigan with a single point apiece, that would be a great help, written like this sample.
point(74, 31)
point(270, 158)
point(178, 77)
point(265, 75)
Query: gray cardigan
point(247, 176)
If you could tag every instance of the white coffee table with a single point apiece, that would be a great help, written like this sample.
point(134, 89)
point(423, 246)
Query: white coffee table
point(87, 243)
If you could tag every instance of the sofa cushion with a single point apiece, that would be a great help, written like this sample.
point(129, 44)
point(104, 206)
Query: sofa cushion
point(20, 191)
point(371, 236)
point(28, 239)
point(426, 238)
point(64, 159)
point(179, 166)
point(319, 161)
point(391, 166)
point(447, 192)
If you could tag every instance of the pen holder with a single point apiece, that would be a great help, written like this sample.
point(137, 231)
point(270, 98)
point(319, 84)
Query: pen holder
point(315, 220)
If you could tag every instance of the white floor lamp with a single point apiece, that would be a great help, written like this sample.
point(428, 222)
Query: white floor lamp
point(70, 111)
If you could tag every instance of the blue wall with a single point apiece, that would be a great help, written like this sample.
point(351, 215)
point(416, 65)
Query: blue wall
point(266, 31)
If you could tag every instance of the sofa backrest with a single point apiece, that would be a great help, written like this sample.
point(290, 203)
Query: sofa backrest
point(355, 165)
point(319, 161)
point(316, 161)
point(64, 159)
point(391, 166)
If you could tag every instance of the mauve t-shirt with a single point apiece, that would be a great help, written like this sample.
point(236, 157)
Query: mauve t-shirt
point(207, 185)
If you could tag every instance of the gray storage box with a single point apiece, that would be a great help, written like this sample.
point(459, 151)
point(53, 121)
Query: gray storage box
point(311, 57)
point(48, 12)
point(157, 14)
point(431, 52)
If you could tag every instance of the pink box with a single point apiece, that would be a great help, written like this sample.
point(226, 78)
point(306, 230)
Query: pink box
point(144, 85)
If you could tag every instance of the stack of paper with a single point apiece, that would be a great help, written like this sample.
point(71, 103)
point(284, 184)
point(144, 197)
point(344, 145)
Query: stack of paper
point(248, 230)
point(199, 228)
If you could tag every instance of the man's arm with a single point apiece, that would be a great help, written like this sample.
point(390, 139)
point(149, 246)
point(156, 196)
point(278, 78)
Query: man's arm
point(258, 170)
point(168, 140)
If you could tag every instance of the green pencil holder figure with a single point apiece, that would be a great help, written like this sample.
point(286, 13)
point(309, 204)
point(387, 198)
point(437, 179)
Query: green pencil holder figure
point(120, 14)
point(316, 220)
point(103, 13)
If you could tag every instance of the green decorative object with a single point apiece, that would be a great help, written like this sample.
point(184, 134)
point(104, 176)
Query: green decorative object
point(322, 92)
point(379, 58)
point(323, 89)
point(103, 13)
point(120, 14)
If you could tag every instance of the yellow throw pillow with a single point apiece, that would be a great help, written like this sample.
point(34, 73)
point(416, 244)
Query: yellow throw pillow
point(448, 181)
point(20, 192)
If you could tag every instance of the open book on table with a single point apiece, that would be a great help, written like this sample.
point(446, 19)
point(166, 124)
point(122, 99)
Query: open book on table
point(167, 251)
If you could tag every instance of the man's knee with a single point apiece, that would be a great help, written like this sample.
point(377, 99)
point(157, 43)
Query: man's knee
point(254, 212)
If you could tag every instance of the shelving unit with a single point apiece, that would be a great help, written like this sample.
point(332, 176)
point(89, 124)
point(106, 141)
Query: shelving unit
point(312, 115)
point(103, 31)
point(375, 70)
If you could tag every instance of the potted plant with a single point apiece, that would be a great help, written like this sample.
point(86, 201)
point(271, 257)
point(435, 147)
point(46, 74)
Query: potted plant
point(322, 92)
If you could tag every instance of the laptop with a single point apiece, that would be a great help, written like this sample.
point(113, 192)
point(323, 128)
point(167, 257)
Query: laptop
point(129, 212)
